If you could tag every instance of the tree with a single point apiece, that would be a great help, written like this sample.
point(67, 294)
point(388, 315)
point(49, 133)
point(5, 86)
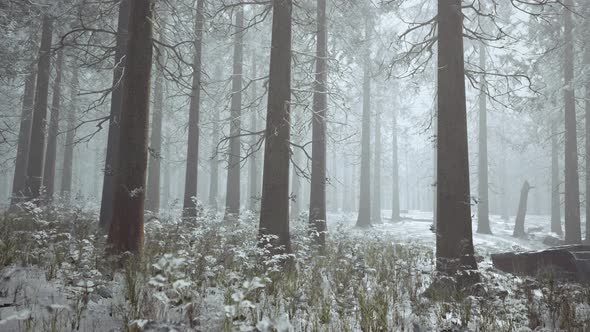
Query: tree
point(572, 186)
point(192, 153)
point(108, 189)
point(364, 216)
point(555, 182)
point(483, 214)
point(232, 195)
point(37, 143)
point(376, 213)
point(521, 214)
point(274, 208)
point(24, 136)
point(126, 229)
point(587, 115)
point(155, 156)
point(317, 195)
point(51, 150)
point(296, 187)
point(214, 162)
point(395, 216)
point(454, 241)
point(253, 181)
point(66, 178)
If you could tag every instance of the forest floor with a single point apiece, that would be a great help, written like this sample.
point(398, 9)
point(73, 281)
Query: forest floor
point(211, 276)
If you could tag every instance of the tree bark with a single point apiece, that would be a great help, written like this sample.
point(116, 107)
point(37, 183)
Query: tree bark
point(587, 111)
point(24, 137)
point(296, 190)
point(483, 212)
point(395, 210)
point(364, 216)
point(454, 241)
point(51, 150)
point(192, 153)
point(274, 210)
point(126, 229)
point(155, 156)
point(37, 143)
point(66, 177)
point(253, 181)
point(521, 214)
point(317, 199)
point(555, 193)
point(572, 187)
point(111, 162)
point(232, 195)
point(376, 213)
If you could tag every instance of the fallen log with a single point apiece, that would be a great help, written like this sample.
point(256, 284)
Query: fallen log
point(570, 262)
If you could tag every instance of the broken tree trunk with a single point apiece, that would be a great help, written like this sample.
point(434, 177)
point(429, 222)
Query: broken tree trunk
point(564, 262)
point(520, 215)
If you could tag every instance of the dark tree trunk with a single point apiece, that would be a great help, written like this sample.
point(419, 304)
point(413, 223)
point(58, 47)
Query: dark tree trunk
point(483, 213)
point(521, 214)
point(274, 209)
point(126, 229)
point(376, 213)
point(572, 187)
point(364, 217)
point(555, 196)
point(253, 181)
point(232, 194)
point(24, 136)
point(395, 213)
point(317, 199)
point(51, 152)
point(66, 177)
point(192, 153)
point(37, 143)
point(587, 111)
point(108, 189)
point(454, 241)
point(155, 156)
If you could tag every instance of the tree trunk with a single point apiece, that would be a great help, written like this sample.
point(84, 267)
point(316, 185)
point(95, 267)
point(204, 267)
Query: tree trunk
point(51, 150)
point(521, 214)
point(572, 187)
point(454, 241)
point(253, 170)
point(555, 196)
point(587, 109)
point(376, 213)
point(214, 162)
point(108, 189)
point(155, 156)
point(364, 217)
point(24, 136)
point(232, 195)
point(37, 143)
point(192, 153)
point(296, 188)
point(274, 209)
point(166, 188)
point(66, 177)
point(483, 213)
point(395, 213)
point(317, 199)
point(126, 229)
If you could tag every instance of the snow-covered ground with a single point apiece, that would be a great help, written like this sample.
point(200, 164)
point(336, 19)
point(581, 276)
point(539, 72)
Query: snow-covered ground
point(415, 228)
point(209, 277)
